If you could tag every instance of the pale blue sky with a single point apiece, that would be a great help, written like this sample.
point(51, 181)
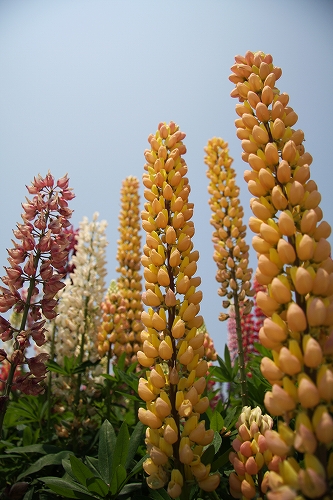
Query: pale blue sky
point(84, 82)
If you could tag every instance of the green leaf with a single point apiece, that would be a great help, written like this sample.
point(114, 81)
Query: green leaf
point(216, 421)
point(44, 462)
point(208, 455)
point(43, 449)
point(83, 366)
point(160, 494)
point(217, 441)
point(137, 467)
point(232, 417)
point(97, 485)
point(92, 463)
point(121, 448)
point(133, 397)
point(121, 362)
point(227, 359)
point(68, 469)
point(118, 479)
point(106, 447)
point(27, 436)
point(56, 368)
point(135, 440)
point(29, 494)
point(66, 488)
point(80, 471)
point(221, 460)
point(129, 488)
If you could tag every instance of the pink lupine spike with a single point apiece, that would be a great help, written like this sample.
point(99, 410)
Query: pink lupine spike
point(42, 251)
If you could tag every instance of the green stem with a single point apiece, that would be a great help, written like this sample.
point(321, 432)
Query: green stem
point(49, 384)
point(108, 386)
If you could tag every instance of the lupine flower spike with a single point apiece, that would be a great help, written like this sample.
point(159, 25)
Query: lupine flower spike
point(231, 251)
point(37, 259)
point(250, 456)
point(173, 350)
point(294, 263)
point(79, 312)
point(129, 282)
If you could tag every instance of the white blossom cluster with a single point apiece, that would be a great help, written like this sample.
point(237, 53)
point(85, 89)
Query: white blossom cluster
point(79, 311)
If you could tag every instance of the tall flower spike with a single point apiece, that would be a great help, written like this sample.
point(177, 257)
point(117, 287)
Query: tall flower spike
point(231, 251)
point(38, 259)
point(128, 256)
point(172, 347)
point(250, 456)
point(294, 263)
point(79, 312)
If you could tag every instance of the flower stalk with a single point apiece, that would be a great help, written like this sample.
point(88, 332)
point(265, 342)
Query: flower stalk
point(294, 263)
point(230, 249)
point(41, 247)
point(172, 349)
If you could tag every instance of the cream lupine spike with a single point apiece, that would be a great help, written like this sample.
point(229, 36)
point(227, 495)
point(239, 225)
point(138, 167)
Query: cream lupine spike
point(251, 455)
point(172, 347)
point(79, 312)
point(128, 256)
point(294, 262)
point(231, 251)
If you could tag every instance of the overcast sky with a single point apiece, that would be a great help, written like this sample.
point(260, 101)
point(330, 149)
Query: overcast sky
point(84, 82)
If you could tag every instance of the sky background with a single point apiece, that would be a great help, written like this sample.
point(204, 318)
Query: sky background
point(84, 82)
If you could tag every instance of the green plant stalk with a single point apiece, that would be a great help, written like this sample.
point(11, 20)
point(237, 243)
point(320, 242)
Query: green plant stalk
point(242, 367)
point(108, 386)
point(49, 385)
point(79, 375)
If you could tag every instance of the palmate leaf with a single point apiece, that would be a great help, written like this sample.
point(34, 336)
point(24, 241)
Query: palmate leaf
point(118, 479)
point(97, 485)
point(43, 449)
point(135, 441)
point(92, 463)
point(160, 494)
point(217, 441)
point(44, 461)
point(138, 467)
point(121, 448)
point(216, 421)
point(208, 455)
point(80, 471)
point(106, 446)
point(67, 488)
point(129, 488)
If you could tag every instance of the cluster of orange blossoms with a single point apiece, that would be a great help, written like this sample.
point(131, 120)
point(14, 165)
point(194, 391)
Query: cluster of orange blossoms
point(128, 256)
point(251, 454)
point(231, 251)
point(114, 325)
point(172, 348)
point(294, 262)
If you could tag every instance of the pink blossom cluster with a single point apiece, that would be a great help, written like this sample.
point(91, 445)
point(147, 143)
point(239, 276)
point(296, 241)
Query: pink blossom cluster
point(37, 262)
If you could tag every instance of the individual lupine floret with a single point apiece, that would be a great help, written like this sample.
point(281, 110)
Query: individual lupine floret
point(172, 348)
point(128, 255)
point(231, 251)
point(37, 258)
point(79, 312)
point(251, 455)
point(294, 263)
